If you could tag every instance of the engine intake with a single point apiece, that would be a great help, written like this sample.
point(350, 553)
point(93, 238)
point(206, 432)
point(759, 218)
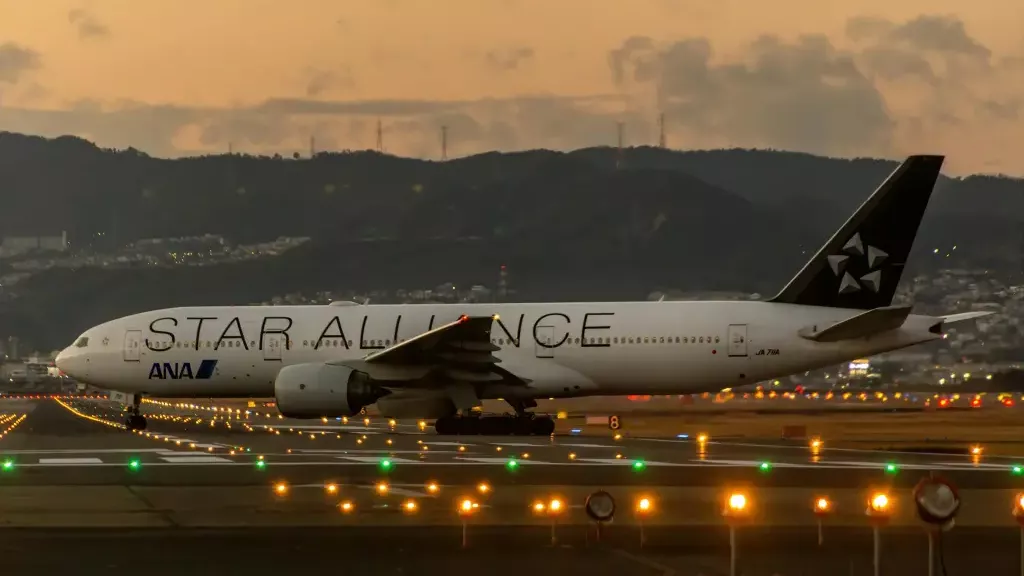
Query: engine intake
point(323, 390)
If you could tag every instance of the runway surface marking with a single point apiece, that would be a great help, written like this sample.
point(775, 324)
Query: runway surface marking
point(70, 461)
point(198, 459)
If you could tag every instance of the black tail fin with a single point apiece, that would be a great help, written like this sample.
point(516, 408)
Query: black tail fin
point(861, 265)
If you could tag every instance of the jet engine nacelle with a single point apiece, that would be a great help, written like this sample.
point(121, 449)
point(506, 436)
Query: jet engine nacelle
point(323, 390)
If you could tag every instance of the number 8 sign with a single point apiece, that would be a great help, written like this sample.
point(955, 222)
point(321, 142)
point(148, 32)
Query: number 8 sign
point(613, 422)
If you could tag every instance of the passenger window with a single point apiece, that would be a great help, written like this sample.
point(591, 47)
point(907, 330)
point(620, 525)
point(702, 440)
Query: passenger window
point(646, 340)
point(661, 340)
point(701, 339)
point(677, 339)
point(716, 339)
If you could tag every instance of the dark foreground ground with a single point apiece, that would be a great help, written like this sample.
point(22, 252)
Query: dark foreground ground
point(494, 551)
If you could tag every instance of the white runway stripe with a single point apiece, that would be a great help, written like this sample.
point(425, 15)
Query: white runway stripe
point(377, 459)
point(66, 461)
point(194, 459)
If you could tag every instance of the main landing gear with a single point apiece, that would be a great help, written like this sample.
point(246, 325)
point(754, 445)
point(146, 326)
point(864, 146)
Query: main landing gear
point(522, 424)
point(525, 425)
point(135, 420)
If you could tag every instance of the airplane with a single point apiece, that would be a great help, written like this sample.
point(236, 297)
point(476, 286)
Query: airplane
point(438, 361)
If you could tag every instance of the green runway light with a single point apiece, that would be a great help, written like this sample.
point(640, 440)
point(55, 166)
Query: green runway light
point(1018, 470)
point(8, 465)
point(639, 465)
point(385, 464)
point(765, 467)
point(512, 464)
point(134, 464)
point(891, 468)
point(261, 464)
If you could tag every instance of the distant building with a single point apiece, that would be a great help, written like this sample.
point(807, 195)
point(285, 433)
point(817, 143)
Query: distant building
point(13, 245)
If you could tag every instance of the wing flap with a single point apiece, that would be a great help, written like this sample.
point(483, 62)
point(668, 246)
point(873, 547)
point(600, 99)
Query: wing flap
point(457, 352)
point(860, 326)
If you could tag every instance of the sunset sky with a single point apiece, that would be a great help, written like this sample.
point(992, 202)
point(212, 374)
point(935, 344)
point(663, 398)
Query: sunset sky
point(178, 77)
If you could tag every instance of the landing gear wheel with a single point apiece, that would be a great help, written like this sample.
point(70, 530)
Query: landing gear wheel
point(542, 426)
point(135, 422)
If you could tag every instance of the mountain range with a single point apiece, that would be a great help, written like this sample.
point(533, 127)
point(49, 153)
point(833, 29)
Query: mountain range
point(596, 223)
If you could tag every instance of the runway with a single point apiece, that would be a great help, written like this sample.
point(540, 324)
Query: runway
point(72, 442)
point(258, 484)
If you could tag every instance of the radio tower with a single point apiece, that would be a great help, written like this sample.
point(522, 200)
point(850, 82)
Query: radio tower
point(444, 143)
point(618, 155)
point(380, 137)
point(661, 131)
point(503, 283)
point(312, 146)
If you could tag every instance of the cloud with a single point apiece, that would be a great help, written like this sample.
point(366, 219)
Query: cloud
point(510, 59)
point(321, 82)
point(15, 61)
point(799, 95)
point(883, 88)
point(87, 25)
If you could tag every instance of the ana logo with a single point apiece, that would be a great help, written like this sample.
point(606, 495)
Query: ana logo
point(858, 266)
point(182, 371)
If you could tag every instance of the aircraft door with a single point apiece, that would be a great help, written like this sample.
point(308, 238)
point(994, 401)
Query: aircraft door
point(272, 345)
point(133, 345)
point(737, 338)
point(545, 335)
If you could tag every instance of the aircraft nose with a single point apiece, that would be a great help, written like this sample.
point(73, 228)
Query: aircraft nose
point(70, 363)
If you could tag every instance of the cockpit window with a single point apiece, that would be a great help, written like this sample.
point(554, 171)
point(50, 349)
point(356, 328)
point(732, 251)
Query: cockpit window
point(82, 342)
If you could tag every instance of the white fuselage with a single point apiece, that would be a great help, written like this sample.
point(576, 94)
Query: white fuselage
point(559, 349)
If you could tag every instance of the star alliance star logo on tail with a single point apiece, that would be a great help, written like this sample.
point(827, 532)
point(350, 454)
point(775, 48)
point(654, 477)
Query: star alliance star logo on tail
point(859, 266)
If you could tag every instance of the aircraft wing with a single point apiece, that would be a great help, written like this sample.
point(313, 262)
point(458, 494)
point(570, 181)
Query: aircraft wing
point(460, 351)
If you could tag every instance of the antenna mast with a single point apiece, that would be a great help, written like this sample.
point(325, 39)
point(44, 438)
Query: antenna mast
point(444, 143)
point(661, 131)
point(380, 137)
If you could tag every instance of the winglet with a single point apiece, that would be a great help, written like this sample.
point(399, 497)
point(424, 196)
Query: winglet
point(861, 265)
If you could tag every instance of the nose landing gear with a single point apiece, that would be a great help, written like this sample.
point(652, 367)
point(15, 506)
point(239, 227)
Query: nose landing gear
point(135, 420)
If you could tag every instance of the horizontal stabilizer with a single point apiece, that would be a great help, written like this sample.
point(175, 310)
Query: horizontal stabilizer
point(963, 317)
point(860, 326)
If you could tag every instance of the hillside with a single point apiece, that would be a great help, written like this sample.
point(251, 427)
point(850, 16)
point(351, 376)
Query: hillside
point(569, 225)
